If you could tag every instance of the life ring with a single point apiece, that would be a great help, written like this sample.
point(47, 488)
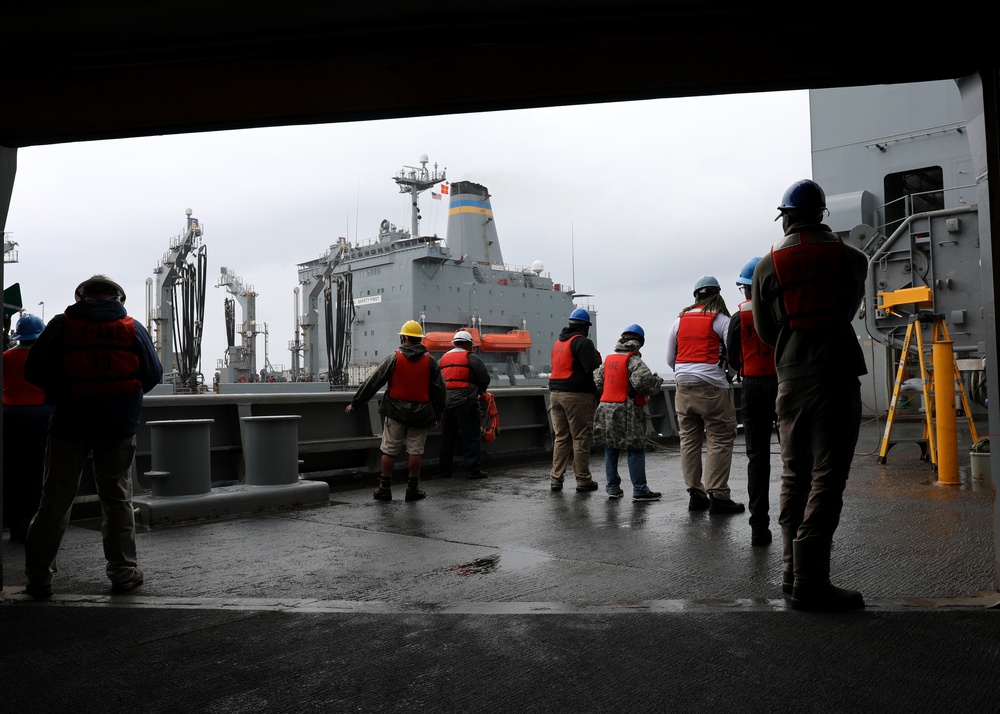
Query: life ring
point(242, 380)
point(492, 429)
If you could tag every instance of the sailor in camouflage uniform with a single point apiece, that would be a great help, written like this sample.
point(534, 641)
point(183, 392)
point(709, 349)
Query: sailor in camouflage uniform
point(625, 382)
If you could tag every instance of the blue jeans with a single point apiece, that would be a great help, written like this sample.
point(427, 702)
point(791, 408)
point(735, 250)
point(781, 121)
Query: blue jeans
point(636, 469)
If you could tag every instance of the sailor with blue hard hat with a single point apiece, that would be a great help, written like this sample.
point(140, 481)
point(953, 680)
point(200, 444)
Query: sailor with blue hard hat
point(580, 314)
point(25, 426)
point(28, 328)
point(745, 278)
point(804, 195)
point(572, 401)
point(754, 360)
point(805, 291)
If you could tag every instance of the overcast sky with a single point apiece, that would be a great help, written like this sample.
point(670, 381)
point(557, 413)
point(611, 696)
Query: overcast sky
point(648, 196)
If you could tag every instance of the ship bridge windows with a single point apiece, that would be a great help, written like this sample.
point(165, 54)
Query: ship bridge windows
point(910, 192)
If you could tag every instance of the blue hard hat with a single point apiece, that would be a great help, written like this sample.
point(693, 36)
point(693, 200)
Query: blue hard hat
point(28, 328)
point(580, 314)
point(706, 283)
point(635, 331)
point(804, 195)
point(746, 275)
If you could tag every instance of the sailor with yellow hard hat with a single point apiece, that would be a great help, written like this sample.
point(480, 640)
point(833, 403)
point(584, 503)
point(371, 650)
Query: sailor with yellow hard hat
point(413, 403)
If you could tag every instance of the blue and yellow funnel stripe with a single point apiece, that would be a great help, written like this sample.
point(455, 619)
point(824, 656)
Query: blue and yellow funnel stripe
point(469, 205)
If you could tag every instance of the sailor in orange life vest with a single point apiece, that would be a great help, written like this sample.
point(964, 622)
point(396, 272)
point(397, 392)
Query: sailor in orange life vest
point(624, 382)
point(25, 428)
point(704, 399)
point(572, 401)
point(94, 363)
point(754, 360)
point(411, 405)
point(465, 378)
point(806, 292)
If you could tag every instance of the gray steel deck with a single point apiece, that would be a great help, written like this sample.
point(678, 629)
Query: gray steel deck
point(500, 595)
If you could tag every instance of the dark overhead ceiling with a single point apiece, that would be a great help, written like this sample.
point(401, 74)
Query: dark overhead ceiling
point(72, 71)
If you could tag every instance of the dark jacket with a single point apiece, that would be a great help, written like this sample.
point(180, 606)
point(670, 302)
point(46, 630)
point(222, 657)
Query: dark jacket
point(408, 413)
point(829, 351)
point(479, 382)
point(91, 418)
point(585, 360)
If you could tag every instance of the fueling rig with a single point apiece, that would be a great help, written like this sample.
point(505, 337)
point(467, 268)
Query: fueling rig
point(176, 312)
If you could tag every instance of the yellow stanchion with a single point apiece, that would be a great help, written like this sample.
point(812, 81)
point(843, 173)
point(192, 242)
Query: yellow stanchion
point(943, 357)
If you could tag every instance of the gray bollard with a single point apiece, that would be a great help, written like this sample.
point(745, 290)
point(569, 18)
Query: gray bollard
point(181, 456)
point(271, 449)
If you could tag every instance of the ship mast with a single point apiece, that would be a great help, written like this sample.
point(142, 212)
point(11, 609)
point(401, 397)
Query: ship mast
point(415, 181)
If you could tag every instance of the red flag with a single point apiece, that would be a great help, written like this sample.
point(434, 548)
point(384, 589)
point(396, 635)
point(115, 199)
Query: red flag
point(444, 189)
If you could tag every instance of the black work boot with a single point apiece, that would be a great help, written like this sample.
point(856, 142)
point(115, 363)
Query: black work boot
point(412, 492)
point(812, 589)
point(383, 492)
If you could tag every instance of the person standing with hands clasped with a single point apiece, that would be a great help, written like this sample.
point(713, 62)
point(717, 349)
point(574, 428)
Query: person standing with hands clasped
point(411, 405)
point(806, 292)
point(625, 382)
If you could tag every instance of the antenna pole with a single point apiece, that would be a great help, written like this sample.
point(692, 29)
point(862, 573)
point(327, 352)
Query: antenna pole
point(572, 253)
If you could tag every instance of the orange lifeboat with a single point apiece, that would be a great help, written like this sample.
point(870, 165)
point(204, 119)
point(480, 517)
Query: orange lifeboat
point(441, 341)
point(513, 341)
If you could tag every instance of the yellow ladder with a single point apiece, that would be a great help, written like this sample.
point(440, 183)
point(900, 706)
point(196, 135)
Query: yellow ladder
point(939, 330)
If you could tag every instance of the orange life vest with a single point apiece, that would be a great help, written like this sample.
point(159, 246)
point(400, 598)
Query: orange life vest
point(101, 357)
point(696, 340)
point(411, 379)
point(17, 391)
point(809, 281)
point(562, 358)
point(617, 388)
point(455, 369)
point(758, 357)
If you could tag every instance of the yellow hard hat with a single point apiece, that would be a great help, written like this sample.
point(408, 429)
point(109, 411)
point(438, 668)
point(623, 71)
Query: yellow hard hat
point(411, 328)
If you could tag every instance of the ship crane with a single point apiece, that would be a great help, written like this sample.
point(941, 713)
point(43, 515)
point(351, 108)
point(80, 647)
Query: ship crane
point(240, 362)
point(178, 317)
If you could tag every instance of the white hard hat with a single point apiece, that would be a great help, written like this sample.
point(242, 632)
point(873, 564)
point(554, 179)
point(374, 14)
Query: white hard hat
point(462, 336)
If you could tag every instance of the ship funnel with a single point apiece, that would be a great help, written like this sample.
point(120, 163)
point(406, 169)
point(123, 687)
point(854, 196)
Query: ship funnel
point(471, 229)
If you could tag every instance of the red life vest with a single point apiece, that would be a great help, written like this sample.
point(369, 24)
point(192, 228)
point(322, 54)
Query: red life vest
point(101, 357)
point(617, 388)
point(411, 379)
point(17, 391)
point(562, 358)
point(696, 340)
point(455, 369)
point(758, 357)
point(807, 266)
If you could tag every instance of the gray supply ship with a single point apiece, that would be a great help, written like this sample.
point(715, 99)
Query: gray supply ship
point(356, 297)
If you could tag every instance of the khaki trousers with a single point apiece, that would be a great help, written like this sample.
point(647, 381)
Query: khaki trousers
point(573, 424)
point(706, 412)
point(64, 462)
point(818, 419)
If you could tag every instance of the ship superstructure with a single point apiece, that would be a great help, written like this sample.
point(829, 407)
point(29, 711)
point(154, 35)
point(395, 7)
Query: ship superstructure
point(897, 169)
point(515, 314)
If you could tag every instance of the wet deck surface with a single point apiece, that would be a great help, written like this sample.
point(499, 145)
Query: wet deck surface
point(500, 595)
